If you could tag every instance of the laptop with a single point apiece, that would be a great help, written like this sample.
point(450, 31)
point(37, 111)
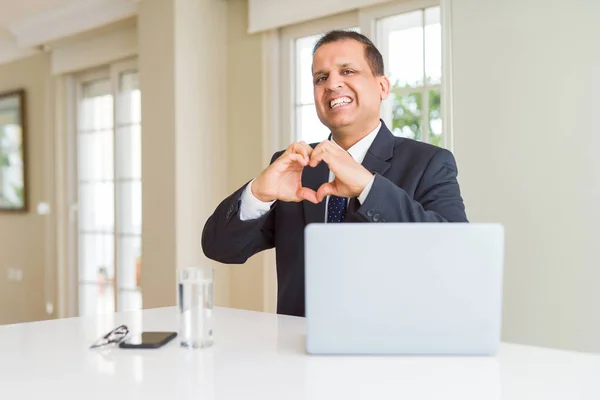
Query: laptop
point(404, 288)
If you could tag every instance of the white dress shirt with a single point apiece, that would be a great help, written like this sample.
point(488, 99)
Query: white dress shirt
point(253, 208)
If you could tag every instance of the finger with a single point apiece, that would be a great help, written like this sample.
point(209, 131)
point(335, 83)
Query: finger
point(330, 146)
point(301, 148)
point(294, 157)
point(307, 194)
point(319, 153)
point(308, 150)
point(326, 189)
point(326, 151)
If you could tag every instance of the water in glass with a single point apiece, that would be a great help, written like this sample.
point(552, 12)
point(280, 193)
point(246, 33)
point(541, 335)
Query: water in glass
point(195, 303)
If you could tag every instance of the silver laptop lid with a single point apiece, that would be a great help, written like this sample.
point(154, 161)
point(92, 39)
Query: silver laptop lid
point(398, 288)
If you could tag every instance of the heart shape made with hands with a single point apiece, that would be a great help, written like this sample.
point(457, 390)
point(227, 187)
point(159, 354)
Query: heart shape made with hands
point(350, 177)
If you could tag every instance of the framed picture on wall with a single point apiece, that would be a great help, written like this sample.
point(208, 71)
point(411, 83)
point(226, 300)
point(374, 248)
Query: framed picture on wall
point(13, 177)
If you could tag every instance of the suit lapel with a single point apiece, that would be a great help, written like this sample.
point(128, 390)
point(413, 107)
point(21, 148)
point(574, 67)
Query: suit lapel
point(375, 165)
point(380, 152)
point(313, 178)
point(376, 160)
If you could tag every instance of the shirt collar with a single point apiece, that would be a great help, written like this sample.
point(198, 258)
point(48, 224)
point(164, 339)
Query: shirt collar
point(360, 148)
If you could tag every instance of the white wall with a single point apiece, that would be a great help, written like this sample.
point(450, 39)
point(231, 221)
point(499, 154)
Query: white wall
point(183, 79)
point(526, 84)
point(98, 47)
point(270, 14)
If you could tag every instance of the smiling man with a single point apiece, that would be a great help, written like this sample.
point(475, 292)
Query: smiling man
point(361, 173)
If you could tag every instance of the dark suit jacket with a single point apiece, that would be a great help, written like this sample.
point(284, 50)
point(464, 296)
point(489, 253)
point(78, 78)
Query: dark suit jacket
point(414, 182)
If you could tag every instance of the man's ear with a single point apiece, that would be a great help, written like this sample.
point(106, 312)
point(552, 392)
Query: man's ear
point(384, 87)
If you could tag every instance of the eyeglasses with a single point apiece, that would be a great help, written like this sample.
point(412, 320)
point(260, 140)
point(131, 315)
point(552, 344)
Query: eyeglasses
point(114, 336)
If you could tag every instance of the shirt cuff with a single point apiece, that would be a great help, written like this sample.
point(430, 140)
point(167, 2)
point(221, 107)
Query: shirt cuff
point(250, 206)
point(366, 190)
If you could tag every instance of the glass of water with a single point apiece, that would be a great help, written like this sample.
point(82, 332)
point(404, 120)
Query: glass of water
point(195, 300)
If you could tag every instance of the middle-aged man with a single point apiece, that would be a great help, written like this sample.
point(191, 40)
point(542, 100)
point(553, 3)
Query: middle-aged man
point(362, 173)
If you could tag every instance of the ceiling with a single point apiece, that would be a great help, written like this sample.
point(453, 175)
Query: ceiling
point(27, 25)
point(13, 11)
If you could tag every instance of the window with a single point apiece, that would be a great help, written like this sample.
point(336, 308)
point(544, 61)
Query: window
point(12, 168)
point(412, 46)
point(409, 36)
point(299, 119)
point(308, 127)
point(109, 190)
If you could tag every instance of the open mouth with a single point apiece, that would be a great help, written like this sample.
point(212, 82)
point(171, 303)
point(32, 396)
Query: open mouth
point(339, 102)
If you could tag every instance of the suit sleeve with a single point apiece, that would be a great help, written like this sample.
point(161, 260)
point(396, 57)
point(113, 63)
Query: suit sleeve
point(437, 196)
point(228, 239)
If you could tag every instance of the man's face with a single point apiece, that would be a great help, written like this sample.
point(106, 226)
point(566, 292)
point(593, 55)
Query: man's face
point(347, 94)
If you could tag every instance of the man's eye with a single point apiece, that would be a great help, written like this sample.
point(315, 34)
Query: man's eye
point(319, 79)
point(347, 71)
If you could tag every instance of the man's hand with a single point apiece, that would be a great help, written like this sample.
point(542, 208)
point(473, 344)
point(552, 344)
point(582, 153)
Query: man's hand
point(351, 178)
point(282, 180)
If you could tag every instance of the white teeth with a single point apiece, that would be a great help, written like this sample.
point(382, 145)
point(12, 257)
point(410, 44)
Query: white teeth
point(339, 101)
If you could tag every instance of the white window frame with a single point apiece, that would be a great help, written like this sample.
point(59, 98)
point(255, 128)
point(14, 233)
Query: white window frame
point(366, 20)
point(74, 88)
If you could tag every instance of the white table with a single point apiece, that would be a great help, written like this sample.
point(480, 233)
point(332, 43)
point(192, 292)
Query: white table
point(261, 356)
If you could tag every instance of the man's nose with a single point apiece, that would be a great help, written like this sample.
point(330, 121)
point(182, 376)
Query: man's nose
point(335, 81)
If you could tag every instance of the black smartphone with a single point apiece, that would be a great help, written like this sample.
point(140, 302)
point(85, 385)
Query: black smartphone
point(148, 340)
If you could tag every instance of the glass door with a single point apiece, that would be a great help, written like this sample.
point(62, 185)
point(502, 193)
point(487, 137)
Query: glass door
point(109, 190)
point(129, 191)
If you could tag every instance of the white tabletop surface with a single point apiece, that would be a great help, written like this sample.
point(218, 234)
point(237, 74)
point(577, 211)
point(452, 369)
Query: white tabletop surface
point(262, 356)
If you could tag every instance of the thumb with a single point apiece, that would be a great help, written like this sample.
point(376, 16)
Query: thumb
point(326, 189)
